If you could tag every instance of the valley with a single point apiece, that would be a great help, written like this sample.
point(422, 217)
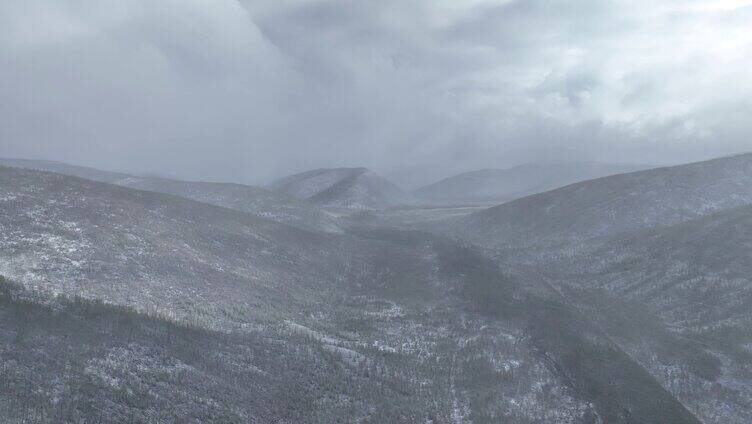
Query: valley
point(386, 311)
point(375, 212)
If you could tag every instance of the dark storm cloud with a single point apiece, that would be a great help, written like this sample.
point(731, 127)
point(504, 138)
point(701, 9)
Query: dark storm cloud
point(418, 90)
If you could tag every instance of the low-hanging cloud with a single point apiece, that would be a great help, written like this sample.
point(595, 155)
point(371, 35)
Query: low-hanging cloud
point(245, 91)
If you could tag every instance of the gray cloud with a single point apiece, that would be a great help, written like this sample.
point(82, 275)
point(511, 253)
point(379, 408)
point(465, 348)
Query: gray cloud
point(246, 91)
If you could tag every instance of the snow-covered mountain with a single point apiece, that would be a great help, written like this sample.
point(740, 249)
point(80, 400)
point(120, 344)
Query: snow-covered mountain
point(493, 186)
point(63, 234)
point(696, 273)
point(353, 188)
point(251, 199)
point(394, 325)
point(679, 300)
point(612, 205)
point(658, 259)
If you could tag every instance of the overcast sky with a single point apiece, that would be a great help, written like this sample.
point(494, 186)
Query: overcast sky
point(250, 90)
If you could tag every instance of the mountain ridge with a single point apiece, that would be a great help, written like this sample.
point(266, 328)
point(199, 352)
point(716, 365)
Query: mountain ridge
point(613, 204)
point(488, 186)
point(250, 199)
point(350, 188)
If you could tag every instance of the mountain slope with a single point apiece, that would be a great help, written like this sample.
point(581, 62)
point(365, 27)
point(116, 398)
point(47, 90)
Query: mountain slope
point(71, 235)
point(73, 360)
point(695, 273)
point(659, 260)
point(490, 186)
point(355, 188)
point(690, 286)
point(612, 205)
point(369, 317)
point(66, 169)
point(251, 199)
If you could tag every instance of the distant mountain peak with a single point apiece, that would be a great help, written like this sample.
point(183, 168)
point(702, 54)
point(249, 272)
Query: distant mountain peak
point(352, 188)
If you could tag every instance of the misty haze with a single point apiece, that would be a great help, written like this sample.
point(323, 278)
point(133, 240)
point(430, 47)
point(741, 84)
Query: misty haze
point(344, 211)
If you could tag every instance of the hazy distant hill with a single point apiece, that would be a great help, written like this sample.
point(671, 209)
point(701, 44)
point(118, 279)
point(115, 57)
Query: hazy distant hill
point(252, 199)
point(614, 204)
point(355, 188)
point(491, 186)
